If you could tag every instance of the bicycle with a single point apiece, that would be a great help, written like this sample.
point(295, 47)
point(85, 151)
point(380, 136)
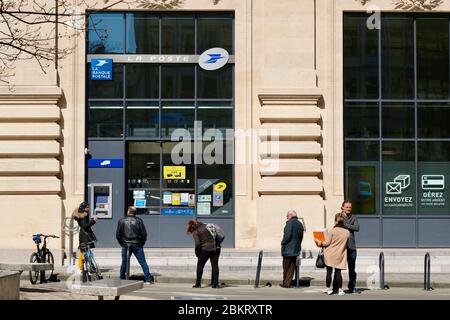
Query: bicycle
point(90, 271)
point(42, 255)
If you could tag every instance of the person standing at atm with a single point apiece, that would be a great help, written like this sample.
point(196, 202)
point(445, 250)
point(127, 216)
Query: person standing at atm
point(81, 216)
point(132, 235)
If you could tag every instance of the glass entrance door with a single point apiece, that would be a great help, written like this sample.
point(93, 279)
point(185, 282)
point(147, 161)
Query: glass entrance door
point(143, 168)
point(161, 185)
point(161, 178)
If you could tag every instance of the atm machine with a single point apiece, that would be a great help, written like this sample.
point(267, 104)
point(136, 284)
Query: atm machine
point(101, 200)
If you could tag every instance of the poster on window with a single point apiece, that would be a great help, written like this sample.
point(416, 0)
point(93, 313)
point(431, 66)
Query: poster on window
point(167, 198)
point(138, 194)
point(433, 179)
point(217, 199)
point(184, 199)
point(203, 208)
point(140, 203)
point(399, 187)
point(204, 198)
point(176, 199)
point(174, 172)
point(191, 200)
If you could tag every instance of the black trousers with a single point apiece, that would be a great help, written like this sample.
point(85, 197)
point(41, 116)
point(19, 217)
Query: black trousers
point(204, 256)
point(337, 281)
point(288, 270)
point(351, 261)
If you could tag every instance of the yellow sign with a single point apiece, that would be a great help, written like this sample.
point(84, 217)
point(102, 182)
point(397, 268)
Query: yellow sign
point(174, 172)
point(176, 199)
point(220, 186)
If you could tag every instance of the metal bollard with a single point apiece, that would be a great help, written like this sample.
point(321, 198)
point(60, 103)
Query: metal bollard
point(427, 273)
point(128, 262)
point(383, 286)
point(298, 262)
point(258, 269)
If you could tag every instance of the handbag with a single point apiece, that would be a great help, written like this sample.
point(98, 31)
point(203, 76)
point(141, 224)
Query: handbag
point(320, 261)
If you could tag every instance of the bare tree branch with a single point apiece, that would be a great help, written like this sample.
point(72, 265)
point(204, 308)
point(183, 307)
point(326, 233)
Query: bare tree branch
point(31, 29)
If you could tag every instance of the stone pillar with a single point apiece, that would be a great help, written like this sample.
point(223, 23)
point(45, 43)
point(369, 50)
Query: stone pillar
point(30, 175)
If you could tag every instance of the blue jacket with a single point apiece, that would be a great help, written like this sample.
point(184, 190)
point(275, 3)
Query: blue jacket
point(292, 239)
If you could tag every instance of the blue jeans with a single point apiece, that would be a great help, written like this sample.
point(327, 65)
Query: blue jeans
point(140, 256)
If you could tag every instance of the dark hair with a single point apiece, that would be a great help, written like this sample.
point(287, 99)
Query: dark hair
point(345, 201)
point(192, 225)
point(83, 206)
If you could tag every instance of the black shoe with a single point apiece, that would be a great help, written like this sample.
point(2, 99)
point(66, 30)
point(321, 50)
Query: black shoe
point(196, 286)
point(216, 286)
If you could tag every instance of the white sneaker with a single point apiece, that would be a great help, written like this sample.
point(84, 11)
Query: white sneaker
point(330, 292)
point(149, 283)
point(341, 292)
point(326, 290)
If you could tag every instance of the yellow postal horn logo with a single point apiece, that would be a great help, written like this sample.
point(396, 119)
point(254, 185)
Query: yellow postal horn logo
point(220, 186)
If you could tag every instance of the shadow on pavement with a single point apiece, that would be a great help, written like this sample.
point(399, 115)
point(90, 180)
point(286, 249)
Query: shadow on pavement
point(37, 290)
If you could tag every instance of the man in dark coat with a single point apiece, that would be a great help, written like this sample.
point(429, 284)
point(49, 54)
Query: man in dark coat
point(291, 246)
point(352, 225)
point(131, 234)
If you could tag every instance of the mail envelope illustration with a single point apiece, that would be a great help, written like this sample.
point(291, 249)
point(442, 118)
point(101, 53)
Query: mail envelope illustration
point(393, 188)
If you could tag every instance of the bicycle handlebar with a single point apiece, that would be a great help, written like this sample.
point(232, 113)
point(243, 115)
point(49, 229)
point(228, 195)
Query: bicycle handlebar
point(45, 235)
point(90, 242)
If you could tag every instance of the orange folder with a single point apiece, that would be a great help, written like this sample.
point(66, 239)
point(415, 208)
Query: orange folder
point(321, 235)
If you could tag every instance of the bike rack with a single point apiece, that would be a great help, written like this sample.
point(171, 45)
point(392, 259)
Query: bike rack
point(427, 273)
point(298, 263)
point(258, 269)
point(383, 286)
point(70, 230)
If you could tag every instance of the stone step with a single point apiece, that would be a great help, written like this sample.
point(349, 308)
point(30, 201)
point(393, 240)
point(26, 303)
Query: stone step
point(233, 260)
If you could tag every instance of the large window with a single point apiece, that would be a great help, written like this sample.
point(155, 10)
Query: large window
point(145, 103)
point(163, 33)
point(397, 115)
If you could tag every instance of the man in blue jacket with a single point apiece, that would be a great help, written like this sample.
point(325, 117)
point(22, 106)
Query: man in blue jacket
point(291, 246)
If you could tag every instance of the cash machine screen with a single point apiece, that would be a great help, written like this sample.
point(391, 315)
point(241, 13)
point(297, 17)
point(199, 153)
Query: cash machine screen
point(101, 199)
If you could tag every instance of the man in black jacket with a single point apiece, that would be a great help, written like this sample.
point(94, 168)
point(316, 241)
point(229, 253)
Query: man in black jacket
point(352, 225)
point(131, 233)
point(291, 246)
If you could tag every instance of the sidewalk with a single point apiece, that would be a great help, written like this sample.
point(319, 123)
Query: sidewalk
point(403, 267)
point(185, 292)
point(317, 278)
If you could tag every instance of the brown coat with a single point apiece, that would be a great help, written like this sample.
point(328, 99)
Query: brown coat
point(336, 248)
point(203, 240)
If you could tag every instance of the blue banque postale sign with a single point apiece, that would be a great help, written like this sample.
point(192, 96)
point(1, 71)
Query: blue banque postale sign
point(101, 69)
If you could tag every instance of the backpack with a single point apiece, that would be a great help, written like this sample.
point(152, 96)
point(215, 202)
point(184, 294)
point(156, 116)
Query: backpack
point(216, 233)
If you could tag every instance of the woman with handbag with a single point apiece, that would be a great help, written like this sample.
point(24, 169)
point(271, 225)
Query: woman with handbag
point(335, 254)
point(206, 248)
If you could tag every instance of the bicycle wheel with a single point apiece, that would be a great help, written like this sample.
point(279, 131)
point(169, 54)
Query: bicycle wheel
point(84, 270)
point(49, 259)
point(94, 269)
point(34, 275)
